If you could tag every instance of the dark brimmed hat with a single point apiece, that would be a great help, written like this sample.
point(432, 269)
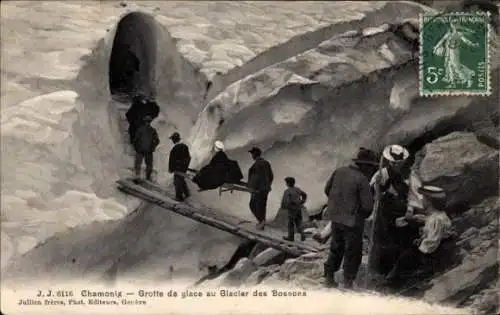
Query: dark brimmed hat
point(433, 192)
point(255, 150)
point(366, 156)
point(175, 136)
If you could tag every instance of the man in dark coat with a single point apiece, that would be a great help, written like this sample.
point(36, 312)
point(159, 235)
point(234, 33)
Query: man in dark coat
point(145, 142)
point(260, 179)
point(178, 164)
point(135, 115)
point(140, 108)
point(350, 202)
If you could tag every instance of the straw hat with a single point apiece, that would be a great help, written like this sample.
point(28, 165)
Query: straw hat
point(395, 153)
point(433, 192)
point(219, 146)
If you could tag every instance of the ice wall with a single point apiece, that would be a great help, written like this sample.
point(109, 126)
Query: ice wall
point(61, 144)
point(63, 150)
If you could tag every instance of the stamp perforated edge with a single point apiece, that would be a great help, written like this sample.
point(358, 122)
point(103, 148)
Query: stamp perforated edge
point(488, 52)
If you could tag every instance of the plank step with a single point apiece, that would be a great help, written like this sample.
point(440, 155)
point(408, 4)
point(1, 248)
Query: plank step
point(157, 195)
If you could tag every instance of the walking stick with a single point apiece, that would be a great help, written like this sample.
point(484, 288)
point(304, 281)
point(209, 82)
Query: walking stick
point(374, 224)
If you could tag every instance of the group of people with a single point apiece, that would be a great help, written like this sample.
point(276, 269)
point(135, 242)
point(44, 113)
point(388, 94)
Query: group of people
point(219, 171)
point(411, 224)
point(222, 170)
point(411, 227)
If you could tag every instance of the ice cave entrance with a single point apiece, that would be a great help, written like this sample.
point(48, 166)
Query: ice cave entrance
point(133, 56)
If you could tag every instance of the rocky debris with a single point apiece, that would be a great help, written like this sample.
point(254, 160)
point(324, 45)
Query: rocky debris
point(311, 256)
point(236, 276)
point(293, 268)
point(472, 275)
point(479, 215)
point(267, 257)
point(464, 167)
point(273, 279)
point(489, 136)
point(469, 239)
point(477, 225)
point(485, 302)
point(260, 274)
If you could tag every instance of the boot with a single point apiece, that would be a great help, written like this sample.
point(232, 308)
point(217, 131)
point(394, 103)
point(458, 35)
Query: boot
point(260, 226)
point(302, 237)
point(288, 238)
point(137, 180)
point(329, 275)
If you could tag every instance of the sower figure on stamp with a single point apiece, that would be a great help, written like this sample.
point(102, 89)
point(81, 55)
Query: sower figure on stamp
point(260, 179)
point(350, 202)
point(145, 142)
point(178, 164)
point(454, 54)
point(449, 47)
point(293, 200)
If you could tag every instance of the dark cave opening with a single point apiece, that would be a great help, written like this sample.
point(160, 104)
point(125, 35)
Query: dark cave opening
point(133, 56)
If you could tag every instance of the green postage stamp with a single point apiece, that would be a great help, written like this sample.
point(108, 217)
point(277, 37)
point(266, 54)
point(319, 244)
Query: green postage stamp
point(454, 54)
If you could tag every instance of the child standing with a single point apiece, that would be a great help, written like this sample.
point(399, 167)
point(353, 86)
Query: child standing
point(293, 200)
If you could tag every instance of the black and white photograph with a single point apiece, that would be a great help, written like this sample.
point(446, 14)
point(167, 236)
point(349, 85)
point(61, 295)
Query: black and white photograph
point(250, 157)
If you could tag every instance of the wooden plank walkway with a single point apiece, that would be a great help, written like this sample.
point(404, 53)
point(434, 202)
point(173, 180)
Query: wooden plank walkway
point(159, 196)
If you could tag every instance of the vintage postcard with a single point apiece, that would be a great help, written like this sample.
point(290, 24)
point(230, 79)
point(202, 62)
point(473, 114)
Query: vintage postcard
point(250, 157)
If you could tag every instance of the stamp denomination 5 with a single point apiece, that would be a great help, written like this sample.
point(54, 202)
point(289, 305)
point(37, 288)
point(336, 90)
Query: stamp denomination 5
point(454, 54)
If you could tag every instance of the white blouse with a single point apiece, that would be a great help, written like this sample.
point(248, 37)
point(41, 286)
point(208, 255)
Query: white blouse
point(437, 227)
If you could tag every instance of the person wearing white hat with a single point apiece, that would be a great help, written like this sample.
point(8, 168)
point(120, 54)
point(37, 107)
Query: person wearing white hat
point(220, 157)
point(219, 170)
point(399, 196)
point(218, 146)
point(431, 245)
